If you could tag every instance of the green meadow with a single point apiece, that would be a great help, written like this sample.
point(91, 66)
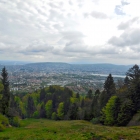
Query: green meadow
point(42, 129)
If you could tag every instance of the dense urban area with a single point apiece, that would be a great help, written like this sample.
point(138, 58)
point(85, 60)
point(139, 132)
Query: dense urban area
point(78, 77)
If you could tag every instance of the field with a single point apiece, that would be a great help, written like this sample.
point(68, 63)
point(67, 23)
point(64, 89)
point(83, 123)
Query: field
point(42, 129)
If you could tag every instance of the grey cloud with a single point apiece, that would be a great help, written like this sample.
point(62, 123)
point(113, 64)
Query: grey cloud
point(70, 2)
point(74, 42)
point(110, 50)
point(133, 55)
point(75, 46)
point(23, 21)
point(95, 14)
point(125, 25)
point(127, 38)
point(55, 15)
point(86, 15)
point(56, 5)
point(8, 47)
point(80, 3)
point(20, 24)
point(42, 28)
point(57, 26)
point(72, 35)
point(98, 15)
point(103, 50)
point(116, 41)
point(53, 5)
point(39, 48)
point(3, 47)
point(78, 46)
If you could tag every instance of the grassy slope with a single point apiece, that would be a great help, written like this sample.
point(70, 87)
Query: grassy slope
point(42, 129)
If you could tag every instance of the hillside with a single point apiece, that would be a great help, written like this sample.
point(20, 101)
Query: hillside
point(68, 112)
point(42, 129)
point(64, 67)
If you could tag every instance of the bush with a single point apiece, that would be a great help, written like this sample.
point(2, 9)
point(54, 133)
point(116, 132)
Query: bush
point(95, 120)
point(54, 116)
point(3, 120)
point(2, 127)
point(15, 121)
point(36, 114)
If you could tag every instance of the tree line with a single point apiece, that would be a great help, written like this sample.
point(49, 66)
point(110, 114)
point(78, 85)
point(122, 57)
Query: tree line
point(114, 105)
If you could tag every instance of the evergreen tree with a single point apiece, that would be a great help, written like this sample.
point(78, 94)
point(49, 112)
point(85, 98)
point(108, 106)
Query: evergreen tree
point(95, 104)
point(134, 86)
point(66, 106)
point(77, 95)
point(42, 94)
point(42, 111)
point(126, 80)
point(134, 73)
point(109, 90)
point(109, 85)
point(73, 112)
point(120, 83)
point(30, 106)
point(134, 94)
point(5, 92)
point(1, 89)
point(89, 94)
point(126, 112)
point(82, 103)
point(97, 92)
point(54, 101)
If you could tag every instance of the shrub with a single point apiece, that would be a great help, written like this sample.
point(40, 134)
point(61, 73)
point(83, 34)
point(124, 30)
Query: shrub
point(15, 121)
point(95, 121)
point(4, 120)
point(2, 127)
point(36, 114)
point(54, 116)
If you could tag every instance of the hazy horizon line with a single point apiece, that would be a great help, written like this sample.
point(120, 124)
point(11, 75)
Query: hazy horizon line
point(79, 62)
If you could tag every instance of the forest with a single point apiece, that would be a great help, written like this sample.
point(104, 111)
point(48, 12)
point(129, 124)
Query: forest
point(115, 105)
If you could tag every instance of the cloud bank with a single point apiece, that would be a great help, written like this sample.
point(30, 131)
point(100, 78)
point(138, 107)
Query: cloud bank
point(70, 31)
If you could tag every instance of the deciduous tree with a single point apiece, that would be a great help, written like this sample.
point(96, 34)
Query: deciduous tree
point(49, 109)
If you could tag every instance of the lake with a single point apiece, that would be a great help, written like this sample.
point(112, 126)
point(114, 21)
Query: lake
point(113, 75)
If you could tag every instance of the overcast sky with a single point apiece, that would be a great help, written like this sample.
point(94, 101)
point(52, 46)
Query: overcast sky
point(81, 31)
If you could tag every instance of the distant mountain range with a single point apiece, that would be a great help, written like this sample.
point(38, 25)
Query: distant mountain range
point(95, 68)
point(66, 67)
